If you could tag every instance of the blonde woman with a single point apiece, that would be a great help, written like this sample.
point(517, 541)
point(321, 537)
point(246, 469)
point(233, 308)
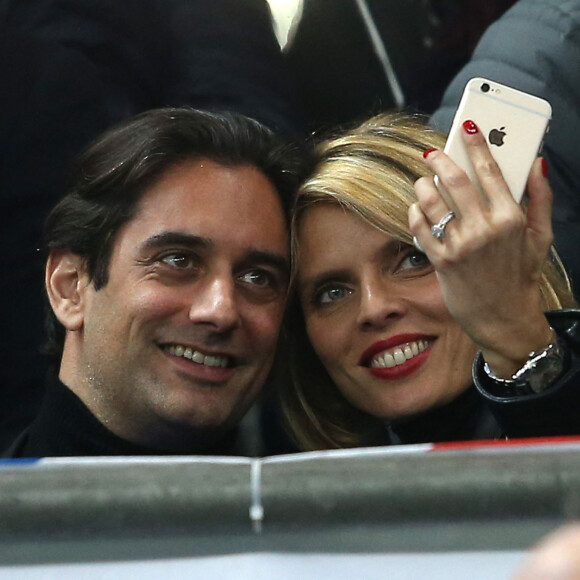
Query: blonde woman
point(393, 344)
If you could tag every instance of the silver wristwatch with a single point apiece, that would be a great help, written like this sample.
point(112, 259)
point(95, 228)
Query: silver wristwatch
point(540, 370)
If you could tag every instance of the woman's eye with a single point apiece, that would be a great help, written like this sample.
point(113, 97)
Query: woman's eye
point(414, 260)
point(329, 295)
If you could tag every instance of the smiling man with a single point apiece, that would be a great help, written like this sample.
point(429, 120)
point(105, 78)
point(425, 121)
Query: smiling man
point(167, 273)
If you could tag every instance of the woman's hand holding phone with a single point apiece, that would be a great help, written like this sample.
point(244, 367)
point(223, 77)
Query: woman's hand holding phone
point(490, 259)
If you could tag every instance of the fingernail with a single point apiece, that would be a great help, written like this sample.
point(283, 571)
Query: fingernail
point(470, 127)
point(544, 168)
point(427, 152)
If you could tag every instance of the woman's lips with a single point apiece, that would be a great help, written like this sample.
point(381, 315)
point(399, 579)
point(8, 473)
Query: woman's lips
point(398, 356)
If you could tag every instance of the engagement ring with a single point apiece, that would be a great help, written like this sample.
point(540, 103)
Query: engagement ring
point(438, 230)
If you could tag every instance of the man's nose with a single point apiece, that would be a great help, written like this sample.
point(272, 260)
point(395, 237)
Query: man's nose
point(214, 304)
point(380, 302)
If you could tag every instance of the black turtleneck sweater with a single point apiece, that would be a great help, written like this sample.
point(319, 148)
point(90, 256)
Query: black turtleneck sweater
point(466, 418)
point(65, 427)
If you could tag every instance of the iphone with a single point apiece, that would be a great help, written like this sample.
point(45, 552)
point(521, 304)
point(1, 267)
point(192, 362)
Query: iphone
point(514, 124)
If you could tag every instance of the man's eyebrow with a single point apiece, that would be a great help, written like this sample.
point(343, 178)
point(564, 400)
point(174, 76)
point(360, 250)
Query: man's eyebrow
point(253, 256)
point(176, 238)
point(270, 258)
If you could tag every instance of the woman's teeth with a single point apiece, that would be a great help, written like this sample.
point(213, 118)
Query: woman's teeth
point(197, 357)
point(398, 356)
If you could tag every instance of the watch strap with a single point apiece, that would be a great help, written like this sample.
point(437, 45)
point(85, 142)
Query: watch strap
point(540, 370)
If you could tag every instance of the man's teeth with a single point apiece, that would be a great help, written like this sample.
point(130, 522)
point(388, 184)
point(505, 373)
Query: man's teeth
point(399, 355)
point(198, 357)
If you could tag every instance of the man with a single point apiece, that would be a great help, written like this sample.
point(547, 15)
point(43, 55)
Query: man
point(69, 72)
point(166, 274)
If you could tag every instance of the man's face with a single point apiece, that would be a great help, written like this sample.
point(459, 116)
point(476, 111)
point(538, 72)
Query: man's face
point(181, 339)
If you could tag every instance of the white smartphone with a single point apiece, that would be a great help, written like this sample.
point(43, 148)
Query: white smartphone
point(514, 124)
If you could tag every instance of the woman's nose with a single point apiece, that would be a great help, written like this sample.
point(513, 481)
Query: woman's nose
point(380, 302)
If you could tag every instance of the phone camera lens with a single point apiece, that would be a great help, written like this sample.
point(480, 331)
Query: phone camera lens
point(485, 88)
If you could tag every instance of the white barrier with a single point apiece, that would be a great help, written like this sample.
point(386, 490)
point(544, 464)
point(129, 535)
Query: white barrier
point(407, 512)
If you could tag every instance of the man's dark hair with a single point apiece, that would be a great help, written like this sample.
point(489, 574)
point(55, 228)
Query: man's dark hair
point(110, 177)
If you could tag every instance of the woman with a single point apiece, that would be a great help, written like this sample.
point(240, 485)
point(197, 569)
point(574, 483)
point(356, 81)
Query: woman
point(383, 336)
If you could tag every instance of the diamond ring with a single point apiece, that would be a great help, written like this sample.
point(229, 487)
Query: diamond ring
point(438, 230)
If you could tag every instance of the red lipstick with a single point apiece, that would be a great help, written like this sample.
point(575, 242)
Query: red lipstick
point(398, 371)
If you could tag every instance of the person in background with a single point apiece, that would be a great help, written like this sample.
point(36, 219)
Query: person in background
point(415, 324)
point(556, 557)
point(534, 47)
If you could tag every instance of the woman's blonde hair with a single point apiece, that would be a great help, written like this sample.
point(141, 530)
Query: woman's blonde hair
point(370, 171)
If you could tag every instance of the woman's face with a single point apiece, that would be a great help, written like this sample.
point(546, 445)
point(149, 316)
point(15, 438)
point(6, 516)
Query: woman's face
point(376, 317)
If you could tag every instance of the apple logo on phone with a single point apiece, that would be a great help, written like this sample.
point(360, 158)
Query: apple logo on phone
point(496, 136)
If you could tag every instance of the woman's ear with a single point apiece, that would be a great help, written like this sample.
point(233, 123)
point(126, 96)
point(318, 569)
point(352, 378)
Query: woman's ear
point(66, 283)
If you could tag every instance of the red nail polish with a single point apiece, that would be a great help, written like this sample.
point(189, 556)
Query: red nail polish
point(427, 152)
point(470, 127)
point(544, 168)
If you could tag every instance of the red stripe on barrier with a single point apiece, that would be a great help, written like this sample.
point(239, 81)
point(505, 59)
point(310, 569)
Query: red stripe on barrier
point(505, 443)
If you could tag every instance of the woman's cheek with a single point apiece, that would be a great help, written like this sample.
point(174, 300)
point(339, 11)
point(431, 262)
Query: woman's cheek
point(328, 339)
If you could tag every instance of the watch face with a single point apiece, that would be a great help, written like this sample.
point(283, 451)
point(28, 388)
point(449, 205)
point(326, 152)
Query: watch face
point(538, 373)
point(544, 368)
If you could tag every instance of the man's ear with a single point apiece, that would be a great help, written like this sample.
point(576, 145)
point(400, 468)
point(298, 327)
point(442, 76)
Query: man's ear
point(66, 282)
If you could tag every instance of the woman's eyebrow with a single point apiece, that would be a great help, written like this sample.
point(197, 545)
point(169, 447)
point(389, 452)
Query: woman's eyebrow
point(316, 280)
point(394, 247)
point(390, 249)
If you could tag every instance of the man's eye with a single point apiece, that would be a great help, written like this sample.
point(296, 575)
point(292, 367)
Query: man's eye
point(258, 278)
point(179, 261)
point(329, 295)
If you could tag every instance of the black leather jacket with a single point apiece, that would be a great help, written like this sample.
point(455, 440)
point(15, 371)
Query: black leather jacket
point(555, 411)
